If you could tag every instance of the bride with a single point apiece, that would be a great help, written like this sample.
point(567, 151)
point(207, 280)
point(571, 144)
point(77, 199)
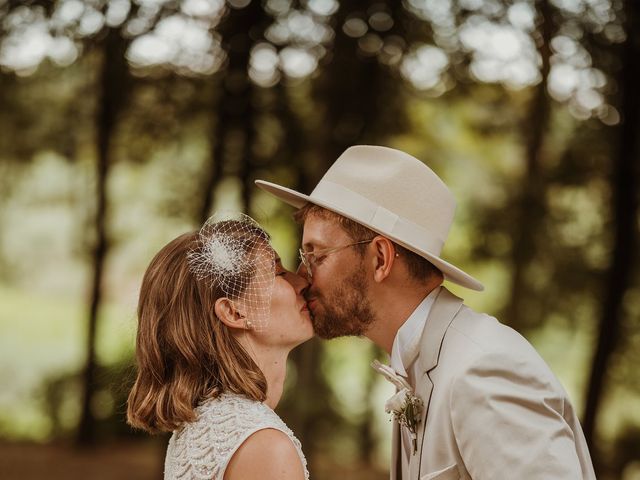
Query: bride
point(218, 315)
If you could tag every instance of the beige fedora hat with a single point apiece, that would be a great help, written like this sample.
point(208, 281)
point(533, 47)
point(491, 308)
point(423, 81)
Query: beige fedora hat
point(393, 194)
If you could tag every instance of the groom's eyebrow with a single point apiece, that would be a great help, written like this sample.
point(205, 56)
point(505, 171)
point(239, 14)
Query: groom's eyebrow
point(312, 245)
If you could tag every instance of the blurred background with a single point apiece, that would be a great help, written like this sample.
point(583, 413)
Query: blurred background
point(124, 123)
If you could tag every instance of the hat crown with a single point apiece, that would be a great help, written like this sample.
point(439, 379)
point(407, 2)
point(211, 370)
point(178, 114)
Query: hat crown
point(397, 182)
point(393, 194)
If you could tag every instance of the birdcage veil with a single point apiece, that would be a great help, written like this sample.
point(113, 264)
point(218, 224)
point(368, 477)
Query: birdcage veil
point(234, 253)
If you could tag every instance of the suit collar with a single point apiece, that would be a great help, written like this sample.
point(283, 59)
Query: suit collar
point(406, 344)
point(444, 309)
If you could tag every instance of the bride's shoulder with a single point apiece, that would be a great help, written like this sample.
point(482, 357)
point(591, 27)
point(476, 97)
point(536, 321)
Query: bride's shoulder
point(267, 454)
point(232, 429)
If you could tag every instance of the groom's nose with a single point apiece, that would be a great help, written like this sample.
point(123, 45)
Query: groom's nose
point(300, 283)
point(302, 271)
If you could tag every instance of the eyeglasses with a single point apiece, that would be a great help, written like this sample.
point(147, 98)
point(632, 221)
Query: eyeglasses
point(311, 259)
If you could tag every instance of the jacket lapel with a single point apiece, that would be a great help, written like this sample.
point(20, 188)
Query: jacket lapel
point(444, 309)
point(396, 447)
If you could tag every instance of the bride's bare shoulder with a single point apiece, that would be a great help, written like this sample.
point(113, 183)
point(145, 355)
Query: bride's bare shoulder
point(267, 454)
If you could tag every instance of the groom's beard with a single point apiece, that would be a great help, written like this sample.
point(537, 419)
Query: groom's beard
point(344, 309)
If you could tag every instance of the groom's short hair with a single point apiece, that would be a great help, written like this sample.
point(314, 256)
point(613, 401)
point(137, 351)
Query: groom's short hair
point(420, 269)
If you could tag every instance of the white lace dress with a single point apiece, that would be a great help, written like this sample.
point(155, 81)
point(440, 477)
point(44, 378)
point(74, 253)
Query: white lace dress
point(201, 450)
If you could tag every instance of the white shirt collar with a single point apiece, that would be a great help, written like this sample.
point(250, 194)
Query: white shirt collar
point(404, 349)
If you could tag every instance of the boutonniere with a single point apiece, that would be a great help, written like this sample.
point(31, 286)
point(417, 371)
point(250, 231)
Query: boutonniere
point(405, 407)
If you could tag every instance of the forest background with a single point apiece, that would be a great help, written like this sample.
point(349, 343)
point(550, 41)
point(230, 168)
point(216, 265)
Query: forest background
point(125, 123)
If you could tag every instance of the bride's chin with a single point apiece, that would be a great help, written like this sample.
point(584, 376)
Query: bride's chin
point(309, 333)
point(301, 341)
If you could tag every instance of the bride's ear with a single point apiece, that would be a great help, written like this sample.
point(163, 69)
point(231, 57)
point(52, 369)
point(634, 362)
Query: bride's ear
point(227, 313)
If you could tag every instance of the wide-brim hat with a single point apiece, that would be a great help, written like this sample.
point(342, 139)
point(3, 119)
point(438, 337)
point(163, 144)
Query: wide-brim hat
point(393, 194)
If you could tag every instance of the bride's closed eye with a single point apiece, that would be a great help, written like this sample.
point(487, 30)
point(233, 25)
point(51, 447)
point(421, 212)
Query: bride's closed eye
point(280, 270)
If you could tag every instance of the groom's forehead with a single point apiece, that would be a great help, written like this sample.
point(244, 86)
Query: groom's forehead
point(320, 232)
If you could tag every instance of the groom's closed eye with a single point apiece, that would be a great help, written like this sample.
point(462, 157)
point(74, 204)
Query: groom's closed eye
point(318, 259)
point(312, 257)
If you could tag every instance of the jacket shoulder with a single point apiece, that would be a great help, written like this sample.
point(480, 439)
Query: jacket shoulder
point(477, 340)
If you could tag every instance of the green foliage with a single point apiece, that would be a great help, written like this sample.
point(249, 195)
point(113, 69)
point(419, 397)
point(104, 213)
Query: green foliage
point(41, 352)
point(198, 126)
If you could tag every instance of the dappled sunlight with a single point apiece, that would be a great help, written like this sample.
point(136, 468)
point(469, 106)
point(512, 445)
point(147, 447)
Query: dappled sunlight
point(424, 67)
point(263, 65)
point(182, 42)
point(501, 53)
point(30, 42)
point(128, 122)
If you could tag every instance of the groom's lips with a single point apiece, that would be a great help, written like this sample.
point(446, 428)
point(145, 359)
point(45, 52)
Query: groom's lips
point(310, 303)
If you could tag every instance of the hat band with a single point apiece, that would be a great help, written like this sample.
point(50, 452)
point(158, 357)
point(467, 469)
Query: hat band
point(374, 216)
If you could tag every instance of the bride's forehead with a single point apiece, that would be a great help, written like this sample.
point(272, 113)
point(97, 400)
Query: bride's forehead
point(264, 253)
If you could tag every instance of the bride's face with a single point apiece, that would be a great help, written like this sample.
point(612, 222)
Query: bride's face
point(290, 320)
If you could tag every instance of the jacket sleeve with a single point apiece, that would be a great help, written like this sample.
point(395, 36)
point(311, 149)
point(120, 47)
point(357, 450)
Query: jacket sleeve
point(508, 416)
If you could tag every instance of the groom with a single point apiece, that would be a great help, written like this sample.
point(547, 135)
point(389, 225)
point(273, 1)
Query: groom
point(374, 228)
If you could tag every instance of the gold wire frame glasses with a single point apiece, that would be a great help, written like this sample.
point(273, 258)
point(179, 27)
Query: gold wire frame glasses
point(310, 259)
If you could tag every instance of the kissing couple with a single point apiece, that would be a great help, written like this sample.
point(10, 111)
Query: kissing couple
point(218, 315)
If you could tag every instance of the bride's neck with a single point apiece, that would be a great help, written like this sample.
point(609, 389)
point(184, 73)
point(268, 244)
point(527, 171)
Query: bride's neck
point(274, 367)
point(272, 362)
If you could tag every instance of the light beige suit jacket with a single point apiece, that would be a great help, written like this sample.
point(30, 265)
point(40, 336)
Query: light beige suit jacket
point(493, 408)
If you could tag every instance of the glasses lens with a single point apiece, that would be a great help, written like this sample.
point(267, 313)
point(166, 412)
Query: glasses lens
point(305, 262)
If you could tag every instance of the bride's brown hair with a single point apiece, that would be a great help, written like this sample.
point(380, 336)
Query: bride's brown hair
point(184, 354)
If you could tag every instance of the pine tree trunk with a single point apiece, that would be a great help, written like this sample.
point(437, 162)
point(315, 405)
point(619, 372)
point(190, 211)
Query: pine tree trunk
point(234, 133)
point(213, 170)
point(112, 89)
point(624, 186)
point(530, 204)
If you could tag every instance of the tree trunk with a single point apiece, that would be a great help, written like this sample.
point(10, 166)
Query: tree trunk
point(361, 103)
point(247, 160)
point(235, 130)
point(214, 167)
point(530, 204)
point(624, 187)
point(112, 89)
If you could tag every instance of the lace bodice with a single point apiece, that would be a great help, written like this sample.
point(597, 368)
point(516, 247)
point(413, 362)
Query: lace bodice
point(201, 450)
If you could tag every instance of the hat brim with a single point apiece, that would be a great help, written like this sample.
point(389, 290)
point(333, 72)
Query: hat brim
point(298, 200)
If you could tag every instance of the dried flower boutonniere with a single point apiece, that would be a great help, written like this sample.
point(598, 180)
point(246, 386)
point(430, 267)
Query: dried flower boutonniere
point(405, 407)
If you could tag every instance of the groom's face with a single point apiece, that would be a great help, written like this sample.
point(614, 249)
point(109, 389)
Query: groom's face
point(338, 292)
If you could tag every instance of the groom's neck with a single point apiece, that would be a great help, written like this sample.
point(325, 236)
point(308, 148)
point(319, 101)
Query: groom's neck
point(393, 304)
